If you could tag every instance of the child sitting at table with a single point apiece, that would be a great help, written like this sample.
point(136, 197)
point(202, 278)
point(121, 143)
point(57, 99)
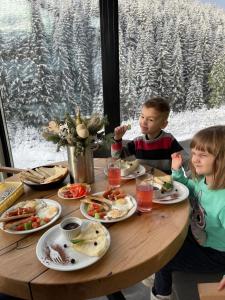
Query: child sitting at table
point(155, 146)
point(204, 247)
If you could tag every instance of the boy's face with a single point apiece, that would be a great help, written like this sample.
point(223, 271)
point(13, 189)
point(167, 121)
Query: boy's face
point(151, 121)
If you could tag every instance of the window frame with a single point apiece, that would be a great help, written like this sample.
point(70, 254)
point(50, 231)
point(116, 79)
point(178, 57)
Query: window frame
point(110, 75)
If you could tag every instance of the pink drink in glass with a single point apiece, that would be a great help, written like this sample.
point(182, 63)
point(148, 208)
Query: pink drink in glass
point(114, 176)
point(144, 195)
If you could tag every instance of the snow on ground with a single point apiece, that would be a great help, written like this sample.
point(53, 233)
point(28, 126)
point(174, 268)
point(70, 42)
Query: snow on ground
point(30, 149)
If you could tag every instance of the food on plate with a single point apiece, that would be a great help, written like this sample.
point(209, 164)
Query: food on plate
point(28, 215)
point(92, 240)
point(128, 167)
point(112, 204)
point(98, 203)
point(74, 190)
point(166, 182)
point(124, 204)
point(116, 213)
point(113, 194)
point(43, 175)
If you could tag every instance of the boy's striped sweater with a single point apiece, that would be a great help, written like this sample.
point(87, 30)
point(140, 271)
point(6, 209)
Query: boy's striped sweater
point(156, 153)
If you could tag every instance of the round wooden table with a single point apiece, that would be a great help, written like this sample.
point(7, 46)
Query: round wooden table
point(140, 246)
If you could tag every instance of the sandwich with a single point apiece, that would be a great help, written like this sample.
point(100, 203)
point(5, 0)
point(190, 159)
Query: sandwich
point(166, 182)
point(128, 167)
point(102, 202)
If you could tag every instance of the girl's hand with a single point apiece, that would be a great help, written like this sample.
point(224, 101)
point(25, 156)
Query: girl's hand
point(176, 161)
point(119, 132)
point(221, 284)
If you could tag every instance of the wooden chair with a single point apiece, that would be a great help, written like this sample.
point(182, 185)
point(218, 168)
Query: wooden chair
point(208, 291)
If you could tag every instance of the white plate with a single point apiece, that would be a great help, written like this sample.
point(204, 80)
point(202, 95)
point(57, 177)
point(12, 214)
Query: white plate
point(179, 188)
point(138, 172)
point(129, 214)
point(60, 194)
point(48, 202)
point(55, 236)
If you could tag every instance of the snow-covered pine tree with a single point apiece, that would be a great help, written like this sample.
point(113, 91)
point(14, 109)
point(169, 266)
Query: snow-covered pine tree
point(83, 37)
point(63, 73)
point(39, 80)
point(217, 83)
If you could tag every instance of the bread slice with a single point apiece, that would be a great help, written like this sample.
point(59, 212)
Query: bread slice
point(128, 167)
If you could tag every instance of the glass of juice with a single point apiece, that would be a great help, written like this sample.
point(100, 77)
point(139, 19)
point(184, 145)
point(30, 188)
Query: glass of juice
point(114, 173)
point(144, 192)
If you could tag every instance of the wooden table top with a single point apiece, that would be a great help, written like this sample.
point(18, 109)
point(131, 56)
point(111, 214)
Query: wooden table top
point(140, 246)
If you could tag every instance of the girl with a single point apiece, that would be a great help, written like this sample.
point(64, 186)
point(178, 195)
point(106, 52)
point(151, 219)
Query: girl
point(204, 247)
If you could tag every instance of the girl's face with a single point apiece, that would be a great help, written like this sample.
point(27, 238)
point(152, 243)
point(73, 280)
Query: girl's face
point(151, 121)
point(202, 162)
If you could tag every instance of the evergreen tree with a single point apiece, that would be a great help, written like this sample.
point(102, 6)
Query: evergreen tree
point(217, 83)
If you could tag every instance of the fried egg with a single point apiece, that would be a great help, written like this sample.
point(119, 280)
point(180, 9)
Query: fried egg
point(116, 213)
point(47, 212)
point(123, 204)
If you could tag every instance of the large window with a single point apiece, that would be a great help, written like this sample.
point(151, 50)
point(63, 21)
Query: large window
point(50, 63)
point(175, 49)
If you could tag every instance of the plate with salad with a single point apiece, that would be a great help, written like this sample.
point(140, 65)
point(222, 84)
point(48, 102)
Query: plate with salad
point(74, 191)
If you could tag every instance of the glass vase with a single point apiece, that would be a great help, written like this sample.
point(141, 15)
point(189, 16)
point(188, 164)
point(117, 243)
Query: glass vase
point(82, 167)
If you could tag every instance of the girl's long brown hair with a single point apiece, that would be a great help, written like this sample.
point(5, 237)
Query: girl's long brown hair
point(212, 140)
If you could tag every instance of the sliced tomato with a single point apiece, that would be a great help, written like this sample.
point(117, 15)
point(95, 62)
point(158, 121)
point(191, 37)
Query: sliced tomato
point(20, 227)
point(91, 213)
point(35, 224)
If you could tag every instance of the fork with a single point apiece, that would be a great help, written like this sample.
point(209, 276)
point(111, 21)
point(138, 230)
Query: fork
point(54, 255)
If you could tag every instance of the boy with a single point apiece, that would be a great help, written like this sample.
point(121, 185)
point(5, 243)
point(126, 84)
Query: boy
point(155, 146)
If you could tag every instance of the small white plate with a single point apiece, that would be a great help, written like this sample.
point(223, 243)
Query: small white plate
point(55, 236)
point(60, 193)
point(83, 210)
point(138, 172)
point(181, 189)
point(48, 202)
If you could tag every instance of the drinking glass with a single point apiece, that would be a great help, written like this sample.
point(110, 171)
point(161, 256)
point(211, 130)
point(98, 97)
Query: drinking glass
point(144, 192)
point(114, 172)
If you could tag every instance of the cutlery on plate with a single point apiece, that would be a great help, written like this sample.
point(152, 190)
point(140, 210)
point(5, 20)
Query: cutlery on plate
point(54, 255)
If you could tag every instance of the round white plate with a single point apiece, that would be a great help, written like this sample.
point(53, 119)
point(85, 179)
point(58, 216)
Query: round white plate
point(138, 172)
point(48, 202)
point(181, 189)
point(55, 236)
point(129, 214)
point(60, 194)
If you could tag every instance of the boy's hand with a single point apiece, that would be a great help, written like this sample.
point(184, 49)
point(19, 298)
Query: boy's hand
point(120, 131)
point(221, 284)
point(176, 161)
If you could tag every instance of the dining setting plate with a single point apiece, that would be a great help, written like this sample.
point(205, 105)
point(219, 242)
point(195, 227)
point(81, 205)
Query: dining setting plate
point(48, 202)
point(63, 189)
point(83, 209)
point(54, 236)
point(178, 188)
point(55, 182)
point(138, 172)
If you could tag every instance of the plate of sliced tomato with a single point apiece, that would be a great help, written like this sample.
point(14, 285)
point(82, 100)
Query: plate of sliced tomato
point(74, 191)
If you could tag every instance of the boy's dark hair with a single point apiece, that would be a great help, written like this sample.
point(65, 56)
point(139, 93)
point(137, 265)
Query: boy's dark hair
point(158, 103)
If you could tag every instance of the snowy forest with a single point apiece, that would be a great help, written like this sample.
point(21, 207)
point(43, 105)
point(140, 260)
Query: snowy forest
point(50, 57)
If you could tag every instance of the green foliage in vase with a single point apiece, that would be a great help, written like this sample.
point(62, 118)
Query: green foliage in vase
point(78, 131)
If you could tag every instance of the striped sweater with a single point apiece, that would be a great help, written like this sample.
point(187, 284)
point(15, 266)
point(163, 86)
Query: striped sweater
point(156, 153)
